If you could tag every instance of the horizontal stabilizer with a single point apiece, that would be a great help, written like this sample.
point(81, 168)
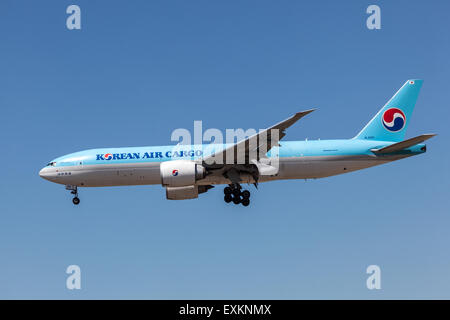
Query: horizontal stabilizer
point(404, 144)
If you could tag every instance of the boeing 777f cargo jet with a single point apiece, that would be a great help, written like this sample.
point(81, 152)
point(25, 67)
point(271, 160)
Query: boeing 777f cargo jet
point(189, 170)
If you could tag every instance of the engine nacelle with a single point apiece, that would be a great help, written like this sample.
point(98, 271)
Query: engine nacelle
point(187, 192)
point(181, 173)
point(182, 193)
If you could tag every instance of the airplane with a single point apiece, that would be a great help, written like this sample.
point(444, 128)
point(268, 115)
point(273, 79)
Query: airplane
point(189, 170)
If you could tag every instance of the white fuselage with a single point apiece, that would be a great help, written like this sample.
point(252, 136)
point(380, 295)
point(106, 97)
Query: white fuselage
point(298, 160)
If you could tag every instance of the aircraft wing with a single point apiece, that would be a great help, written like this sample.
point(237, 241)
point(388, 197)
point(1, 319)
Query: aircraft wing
point(254, 147)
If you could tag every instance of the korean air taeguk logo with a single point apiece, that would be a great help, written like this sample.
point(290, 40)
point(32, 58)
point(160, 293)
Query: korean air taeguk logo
point(175, 172)
point(393, 119)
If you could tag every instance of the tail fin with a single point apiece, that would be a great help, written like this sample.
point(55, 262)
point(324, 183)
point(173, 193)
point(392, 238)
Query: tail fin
point(390, 123)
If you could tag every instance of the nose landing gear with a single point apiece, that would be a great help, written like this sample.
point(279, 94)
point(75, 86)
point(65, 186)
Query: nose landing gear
point(74, 191)
point(234, 193)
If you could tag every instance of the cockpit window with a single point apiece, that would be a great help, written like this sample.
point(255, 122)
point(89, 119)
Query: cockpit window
point(51, 164)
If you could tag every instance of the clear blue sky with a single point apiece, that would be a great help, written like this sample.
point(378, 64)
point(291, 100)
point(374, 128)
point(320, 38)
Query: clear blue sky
point(138, 70)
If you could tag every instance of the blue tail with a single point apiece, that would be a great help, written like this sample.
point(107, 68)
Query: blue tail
point(390, 123)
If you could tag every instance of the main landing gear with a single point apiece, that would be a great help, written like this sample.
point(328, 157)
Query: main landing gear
point(74, 191)
point(234, 193)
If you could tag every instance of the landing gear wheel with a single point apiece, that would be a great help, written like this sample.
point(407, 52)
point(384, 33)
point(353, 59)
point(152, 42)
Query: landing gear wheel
point(245, 194)
point(74, 190)
point(236, 200)
point(237, 193)
point(245, 202)
point(228, 198)
point(227, 190)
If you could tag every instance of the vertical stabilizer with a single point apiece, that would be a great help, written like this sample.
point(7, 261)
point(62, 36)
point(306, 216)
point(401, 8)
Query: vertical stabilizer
point(391, 122)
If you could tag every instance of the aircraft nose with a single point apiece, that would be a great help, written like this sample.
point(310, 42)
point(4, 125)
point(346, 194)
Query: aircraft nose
point(44, 173)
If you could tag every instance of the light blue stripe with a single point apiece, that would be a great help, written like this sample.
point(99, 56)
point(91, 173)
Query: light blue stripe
point(287, 149)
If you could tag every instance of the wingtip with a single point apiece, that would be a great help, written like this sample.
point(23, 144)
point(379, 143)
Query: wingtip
point(305, 112)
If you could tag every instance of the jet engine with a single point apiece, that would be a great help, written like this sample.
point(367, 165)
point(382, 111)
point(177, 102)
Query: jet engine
point(183, 193)
point(181, 173)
